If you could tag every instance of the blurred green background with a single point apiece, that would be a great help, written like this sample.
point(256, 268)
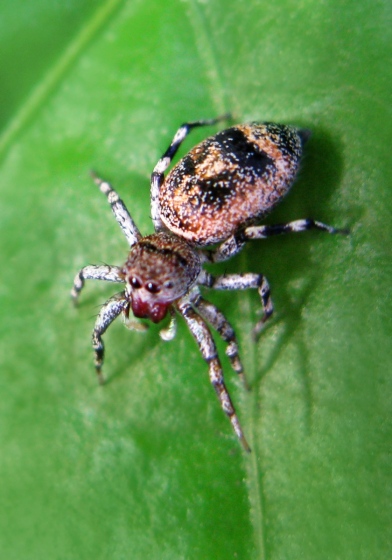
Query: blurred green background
point(148, 467)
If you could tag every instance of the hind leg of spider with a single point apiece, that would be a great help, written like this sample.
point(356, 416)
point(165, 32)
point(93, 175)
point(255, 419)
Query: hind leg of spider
point(215, 317)
point(109, 311)
point(202, 335)
point(236, 242)
point(95, 272)
point(243, 282)
point(157, 176)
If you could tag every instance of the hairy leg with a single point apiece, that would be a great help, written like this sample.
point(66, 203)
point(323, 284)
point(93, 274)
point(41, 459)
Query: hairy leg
point(202, 335)
point(236, 242)
point(95, 272)
point(109, 311)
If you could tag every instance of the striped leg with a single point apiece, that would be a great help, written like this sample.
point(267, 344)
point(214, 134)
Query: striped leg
point(95, 272)
point(243, 282)
point(157, 176)
point(207, 347)
point(109, 311)
point(235, 243)
point(216, 318)
point(119, 210)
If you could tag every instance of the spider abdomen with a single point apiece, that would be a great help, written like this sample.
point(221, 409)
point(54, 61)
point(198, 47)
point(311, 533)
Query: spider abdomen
point(230, 180)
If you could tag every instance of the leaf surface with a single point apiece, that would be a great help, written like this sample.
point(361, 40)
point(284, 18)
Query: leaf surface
point(147, 467)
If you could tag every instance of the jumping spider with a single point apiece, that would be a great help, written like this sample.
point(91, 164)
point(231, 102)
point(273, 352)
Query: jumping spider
point(213, 196)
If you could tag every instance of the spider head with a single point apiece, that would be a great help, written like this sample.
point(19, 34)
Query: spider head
point(160, 269)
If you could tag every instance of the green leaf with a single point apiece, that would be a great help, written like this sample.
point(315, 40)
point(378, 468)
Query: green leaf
point(147, 466)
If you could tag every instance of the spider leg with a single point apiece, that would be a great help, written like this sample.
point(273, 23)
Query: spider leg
point(243, 282)
point(236, 242)
point(216, 318)
point(203, 337)
point(119, 210)
point(109, 311)
point(157, 176)
point(95, 272)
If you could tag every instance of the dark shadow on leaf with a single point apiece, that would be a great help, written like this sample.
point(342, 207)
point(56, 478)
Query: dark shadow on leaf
point(290, 258)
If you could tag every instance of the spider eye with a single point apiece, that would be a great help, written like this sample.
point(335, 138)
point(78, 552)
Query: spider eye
point(135, 283)
point(152, 288)
point(169, 285)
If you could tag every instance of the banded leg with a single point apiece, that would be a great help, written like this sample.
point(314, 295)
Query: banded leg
point(207, 347)
point(109, 311)
point(236, 242)
point(219, 322)
point(157, 176)
point(119, 210)
point(243, 282)
point(95, 272)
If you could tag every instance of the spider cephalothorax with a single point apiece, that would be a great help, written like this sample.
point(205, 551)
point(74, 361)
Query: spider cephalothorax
point(215, 195)
point(160, 269)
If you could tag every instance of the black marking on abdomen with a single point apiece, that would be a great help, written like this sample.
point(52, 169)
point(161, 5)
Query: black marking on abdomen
point(237, 149)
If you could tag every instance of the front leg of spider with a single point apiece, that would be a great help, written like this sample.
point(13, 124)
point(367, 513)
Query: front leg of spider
point(95, 272)
point(208, 350)
point(109, 311)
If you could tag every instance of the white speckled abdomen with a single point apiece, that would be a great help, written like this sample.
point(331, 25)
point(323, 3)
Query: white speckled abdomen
point(230, 180)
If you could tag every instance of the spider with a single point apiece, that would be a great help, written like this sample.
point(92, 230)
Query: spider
point(204, 211)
